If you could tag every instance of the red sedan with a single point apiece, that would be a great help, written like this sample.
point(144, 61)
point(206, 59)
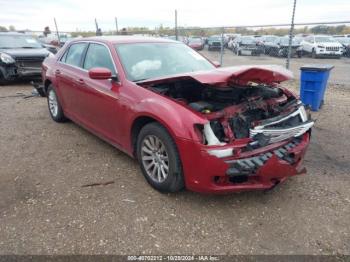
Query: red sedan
point(189, 124)
point(196, 43)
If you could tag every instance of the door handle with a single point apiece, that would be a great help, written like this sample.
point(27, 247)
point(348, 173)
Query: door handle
point(80, 81)
point(57, 72)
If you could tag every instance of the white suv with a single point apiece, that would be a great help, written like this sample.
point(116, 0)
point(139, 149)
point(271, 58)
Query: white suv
point(321, 45)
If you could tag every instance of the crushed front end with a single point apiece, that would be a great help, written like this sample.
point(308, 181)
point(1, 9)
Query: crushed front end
point(256, 133)
point(253, 145)
point(21, 67)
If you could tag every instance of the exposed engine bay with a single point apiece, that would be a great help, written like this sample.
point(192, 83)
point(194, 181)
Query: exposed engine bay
point(262, 113)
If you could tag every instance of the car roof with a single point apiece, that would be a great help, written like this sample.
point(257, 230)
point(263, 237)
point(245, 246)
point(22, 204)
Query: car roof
point(125, 39)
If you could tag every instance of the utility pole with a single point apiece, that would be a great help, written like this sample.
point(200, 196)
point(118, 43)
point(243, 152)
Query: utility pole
point(96, 24)
point(98, 30)
point(176, 32)
point(57, 32)
point(222, 45)
point(291, 35)
point(116, 24)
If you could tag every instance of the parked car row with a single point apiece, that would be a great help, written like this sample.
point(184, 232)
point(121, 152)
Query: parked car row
point(313, 45)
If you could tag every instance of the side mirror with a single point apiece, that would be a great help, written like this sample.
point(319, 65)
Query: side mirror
point(216, 64)
point(100, 73)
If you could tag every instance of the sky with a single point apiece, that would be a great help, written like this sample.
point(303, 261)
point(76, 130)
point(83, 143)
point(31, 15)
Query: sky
point(72, 15)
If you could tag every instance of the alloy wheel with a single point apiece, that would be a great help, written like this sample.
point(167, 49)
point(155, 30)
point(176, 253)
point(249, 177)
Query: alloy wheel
point(53, 105)
point(154, 158)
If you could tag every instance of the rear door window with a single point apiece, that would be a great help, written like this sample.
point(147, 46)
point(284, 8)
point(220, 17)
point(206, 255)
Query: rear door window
point(98, 56)
point(75, 54)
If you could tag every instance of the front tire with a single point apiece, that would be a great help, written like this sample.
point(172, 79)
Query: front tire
point(3, 81)
point(55, 108)
point(159, 158)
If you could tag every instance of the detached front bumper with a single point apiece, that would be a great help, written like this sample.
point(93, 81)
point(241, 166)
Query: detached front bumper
point(12, 72)
point(259, 169)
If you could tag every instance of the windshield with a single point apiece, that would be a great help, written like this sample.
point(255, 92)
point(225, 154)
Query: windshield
point(248, 40)
point(148, 60)
point(270, 38)
point(324, 39)
point(214, 38)
point(344, 40)
point(285, 41)
point(18, 41)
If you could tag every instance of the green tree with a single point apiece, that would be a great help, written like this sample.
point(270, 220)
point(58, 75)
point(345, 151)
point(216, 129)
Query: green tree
point(3, 29)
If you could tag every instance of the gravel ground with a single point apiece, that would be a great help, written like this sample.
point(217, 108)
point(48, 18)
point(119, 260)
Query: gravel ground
point(45, 208)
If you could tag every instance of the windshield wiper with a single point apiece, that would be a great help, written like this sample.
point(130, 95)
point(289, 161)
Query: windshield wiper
point(29, 47)
point(139, 80)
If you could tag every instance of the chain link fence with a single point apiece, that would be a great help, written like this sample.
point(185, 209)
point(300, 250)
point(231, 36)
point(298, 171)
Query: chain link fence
point(289, 45)
point(308, 43)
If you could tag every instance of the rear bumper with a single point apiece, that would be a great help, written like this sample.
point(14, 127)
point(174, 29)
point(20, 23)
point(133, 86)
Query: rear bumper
point(262, 168)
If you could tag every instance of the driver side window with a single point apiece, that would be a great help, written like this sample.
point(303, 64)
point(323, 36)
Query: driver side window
point(98, 56)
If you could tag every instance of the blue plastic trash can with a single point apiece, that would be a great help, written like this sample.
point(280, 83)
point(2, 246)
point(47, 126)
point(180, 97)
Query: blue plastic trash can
point(313, 84)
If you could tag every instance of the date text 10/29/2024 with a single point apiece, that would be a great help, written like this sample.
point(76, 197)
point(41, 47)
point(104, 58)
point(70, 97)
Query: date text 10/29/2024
point(173, 258)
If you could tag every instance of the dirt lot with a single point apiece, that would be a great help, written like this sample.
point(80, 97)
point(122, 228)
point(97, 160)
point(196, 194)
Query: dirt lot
point(45, 210)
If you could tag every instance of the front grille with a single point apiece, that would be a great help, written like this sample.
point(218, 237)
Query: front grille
point(280, 134)
point(216, 44)
point(292, 125)
point(29, 62)
point(30, 58)
point(332, 48)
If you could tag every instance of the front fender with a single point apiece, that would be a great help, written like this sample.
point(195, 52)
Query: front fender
point(178, 119)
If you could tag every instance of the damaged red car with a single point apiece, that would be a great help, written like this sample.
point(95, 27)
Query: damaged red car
point(188, 123)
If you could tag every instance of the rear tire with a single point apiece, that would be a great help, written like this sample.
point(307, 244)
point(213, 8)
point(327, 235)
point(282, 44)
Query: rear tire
point(55, 108)
point(159, 158)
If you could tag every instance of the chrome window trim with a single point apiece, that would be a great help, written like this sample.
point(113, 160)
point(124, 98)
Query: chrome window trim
point(88, 42)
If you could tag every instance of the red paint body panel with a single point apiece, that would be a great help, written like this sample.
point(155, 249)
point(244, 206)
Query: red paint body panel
point(109, 109)
point(204, 168)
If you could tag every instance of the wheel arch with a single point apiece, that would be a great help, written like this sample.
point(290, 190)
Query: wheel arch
point(138, 123)
point(47, 83)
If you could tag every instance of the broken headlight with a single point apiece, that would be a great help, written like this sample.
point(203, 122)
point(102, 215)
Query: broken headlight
point(7, 59)
point(212, 140)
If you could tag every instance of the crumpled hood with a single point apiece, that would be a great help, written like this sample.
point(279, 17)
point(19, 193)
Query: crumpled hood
point(242, 75)
point(23, 52)
point(329, 44)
